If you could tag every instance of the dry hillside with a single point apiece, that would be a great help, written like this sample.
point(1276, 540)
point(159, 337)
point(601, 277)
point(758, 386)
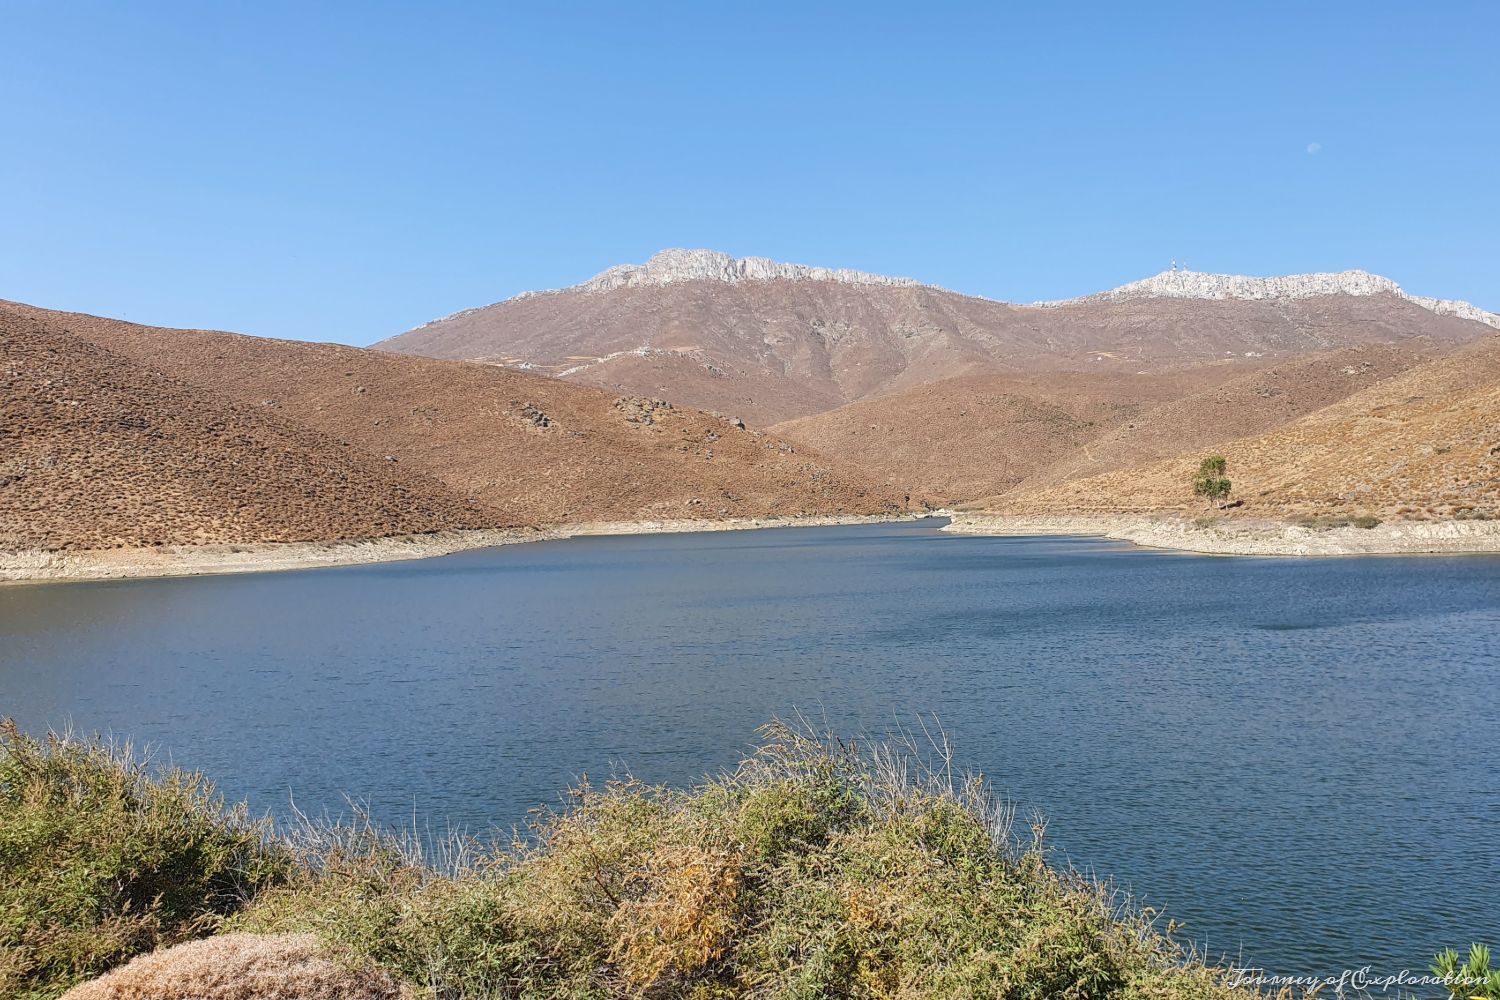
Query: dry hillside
point(98, 451)
point(530, 449)
point(771, 349)
point(1250, 403)
point(1424, 443)
point(984, 432)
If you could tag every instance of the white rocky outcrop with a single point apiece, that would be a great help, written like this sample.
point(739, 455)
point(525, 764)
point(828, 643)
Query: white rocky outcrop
point(670, 266)
point(1198, 285)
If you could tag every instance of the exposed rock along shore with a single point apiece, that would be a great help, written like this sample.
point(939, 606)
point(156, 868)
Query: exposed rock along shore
point(1227, 537)
point(1244, 537)
point(38, 566)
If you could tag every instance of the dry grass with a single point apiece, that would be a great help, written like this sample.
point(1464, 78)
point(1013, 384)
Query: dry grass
point(241, 967)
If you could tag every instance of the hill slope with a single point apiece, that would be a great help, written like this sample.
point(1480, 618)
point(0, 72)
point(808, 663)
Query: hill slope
point(528, 449)
point(774, 342)
point(984, 432)
point(1248, 404)
point(97, 451)
point(1424, 443)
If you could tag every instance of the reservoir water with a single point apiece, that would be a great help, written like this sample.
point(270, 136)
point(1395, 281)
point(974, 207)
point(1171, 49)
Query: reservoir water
point(1298, 759)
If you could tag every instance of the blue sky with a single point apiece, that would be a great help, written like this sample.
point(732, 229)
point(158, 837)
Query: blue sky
point(343, 173)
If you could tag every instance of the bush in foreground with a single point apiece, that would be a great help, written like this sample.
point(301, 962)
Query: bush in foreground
point(814, 870)
point(817, 869)
point(103, 857)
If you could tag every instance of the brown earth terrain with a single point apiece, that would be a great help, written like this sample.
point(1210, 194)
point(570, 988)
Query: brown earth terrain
point(1250, 403)
point(985, 433)
point(982, 433)
point(775, 350)
point(98, 451)
point(1423, 444)
point(472, 445)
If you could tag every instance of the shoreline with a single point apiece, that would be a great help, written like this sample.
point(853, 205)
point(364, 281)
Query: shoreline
point(1243, 537)
point(37, 566)
point(1156, 531)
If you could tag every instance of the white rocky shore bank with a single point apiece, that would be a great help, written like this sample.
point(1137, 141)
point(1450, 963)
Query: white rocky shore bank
point(1245, 537)
point(37, 566)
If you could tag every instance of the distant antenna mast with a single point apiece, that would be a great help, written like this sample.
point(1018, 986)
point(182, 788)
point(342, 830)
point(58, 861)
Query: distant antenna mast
point(1174, 263)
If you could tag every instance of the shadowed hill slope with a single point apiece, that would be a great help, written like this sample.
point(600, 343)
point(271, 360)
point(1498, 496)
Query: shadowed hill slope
point(1423, 443)
point(97, 451)
point(536, 450)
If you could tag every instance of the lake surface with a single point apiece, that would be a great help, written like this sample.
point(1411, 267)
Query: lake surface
point(1300, 759)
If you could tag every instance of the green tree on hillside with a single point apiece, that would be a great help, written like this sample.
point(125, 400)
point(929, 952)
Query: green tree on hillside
point(1211, 482)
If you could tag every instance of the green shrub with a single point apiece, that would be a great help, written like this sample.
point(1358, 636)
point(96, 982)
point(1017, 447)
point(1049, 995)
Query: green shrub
point(816, 869)
point(1473, 978)
point(103, 857)
point(1365, 521)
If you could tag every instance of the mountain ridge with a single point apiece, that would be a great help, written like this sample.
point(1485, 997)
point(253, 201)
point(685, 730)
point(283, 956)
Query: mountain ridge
point(1184, 284)
point(771, 343)
point(674, 265)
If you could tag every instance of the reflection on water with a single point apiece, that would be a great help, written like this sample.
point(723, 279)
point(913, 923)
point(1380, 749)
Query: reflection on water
point(1297, 758)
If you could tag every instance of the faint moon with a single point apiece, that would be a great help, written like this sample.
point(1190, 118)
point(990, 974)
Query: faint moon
point(1314, 148)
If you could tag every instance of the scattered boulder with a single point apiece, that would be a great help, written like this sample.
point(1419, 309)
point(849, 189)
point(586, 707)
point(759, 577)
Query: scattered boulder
point(641, 411)
point(531, 414)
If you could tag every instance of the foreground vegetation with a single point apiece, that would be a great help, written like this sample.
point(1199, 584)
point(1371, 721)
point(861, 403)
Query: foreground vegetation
point(816, 869)
point(103, 857)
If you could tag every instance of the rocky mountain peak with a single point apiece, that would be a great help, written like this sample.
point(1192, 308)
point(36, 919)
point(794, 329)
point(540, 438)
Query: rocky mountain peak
point(670, 266)
point(1182, 284)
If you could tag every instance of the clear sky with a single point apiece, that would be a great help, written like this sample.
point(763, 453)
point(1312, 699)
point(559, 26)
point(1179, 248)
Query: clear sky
point(345, 172)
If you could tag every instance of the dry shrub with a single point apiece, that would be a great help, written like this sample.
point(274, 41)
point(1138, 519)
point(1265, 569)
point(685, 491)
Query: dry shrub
point(241, 967)
point(685, 916)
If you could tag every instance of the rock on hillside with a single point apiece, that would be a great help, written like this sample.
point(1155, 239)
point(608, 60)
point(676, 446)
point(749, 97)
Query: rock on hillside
point(775, 342)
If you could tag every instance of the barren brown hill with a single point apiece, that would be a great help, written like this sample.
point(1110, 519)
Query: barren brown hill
point(773, 342)
point(984, 432)
point(537, 450)
point(1422, 444)
point(1250, 403)
point(98, 451)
